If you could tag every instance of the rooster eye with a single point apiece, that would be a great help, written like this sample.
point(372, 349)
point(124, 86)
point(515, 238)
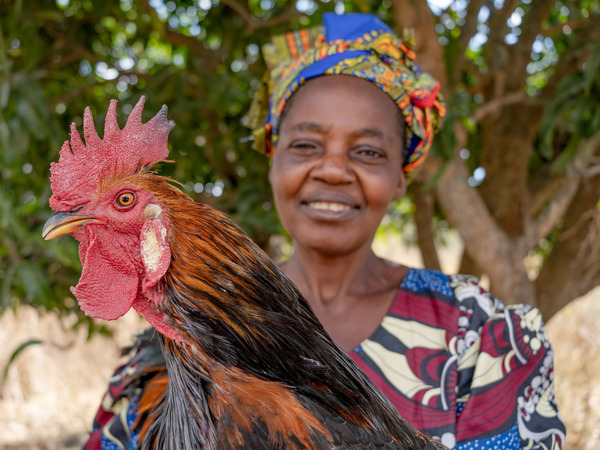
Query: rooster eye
point(125, 199)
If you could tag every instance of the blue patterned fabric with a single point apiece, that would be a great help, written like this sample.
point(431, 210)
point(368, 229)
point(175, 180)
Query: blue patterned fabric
point(132, 411)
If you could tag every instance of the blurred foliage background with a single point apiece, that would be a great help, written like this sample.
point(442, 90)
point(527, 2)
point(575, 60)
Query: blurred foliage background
point(515, 170)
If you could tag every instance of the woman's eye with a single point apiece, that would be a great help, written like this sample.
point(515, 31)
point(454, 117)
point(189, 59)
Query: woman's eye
point(303, 145)
point(125, 199)
point(303, 148)
point(370, 154)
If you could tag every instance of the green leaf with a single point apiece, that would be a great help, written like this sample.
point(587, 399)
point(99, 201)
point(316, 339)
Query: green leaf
point(566, 157)
point(591, 71)
point(16, 353)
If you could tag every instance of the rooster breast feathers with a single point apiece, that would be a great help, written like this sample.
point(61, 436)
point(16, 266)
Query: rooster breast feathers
point(248, 363)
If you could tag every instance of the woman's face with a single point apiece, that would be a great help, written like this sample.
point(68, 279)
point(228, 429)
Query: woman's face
point(337, 164)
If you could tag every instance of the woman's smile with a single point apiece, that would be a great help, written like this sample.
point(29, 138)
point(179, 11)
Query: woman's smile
point(329, 211)
point(329, 206)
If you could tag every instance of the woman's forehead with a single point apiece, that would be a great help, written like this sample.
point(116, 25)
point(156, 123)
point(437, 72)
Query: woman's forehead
point(326, 84)
point(330, 99)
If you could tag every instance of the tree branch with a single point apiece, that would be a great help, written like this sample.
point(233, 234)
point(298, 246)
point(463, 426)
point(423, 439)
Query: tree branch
point(416, 15)
point(573, 266)
point(559, 28)
point(240, 10)
point(573, 57)
point(483, 78)
point(541, 190)
point(462, 203)
point(424, 222)
point(520, 52)
point(496, 55)
point(252, 24)
point(467, 31)
point(497, 104)
point(210, 57)
point(64, 46)
point(499, 255)
point(556, 208)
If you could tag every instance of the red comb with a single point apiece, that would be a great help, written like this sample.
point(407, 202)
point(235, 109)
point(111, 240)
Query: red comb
point(80, 167)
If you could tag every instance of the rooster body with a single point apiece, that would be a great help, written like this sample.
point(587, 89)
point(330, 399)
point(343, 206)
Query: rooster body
point(249, 365)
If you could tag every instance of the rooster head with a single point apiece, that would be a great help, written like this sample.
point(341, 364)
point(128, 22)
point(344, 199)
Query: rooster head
point(99, 195)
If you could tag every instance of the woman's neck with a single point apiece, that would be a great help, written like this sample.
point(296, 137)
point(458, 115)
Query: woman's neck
point(328, 280)
point(350, 295)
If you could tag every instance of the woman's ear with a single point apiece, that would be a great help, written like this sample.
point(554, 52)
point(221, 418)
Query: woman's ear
point(401, 187)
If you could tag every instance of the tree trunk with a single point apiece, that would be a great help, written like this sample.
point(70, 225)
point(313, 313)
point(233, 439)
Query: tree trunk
point(469, 266)
point(416, 15)
point(500, 222)
point(505, 136)
point(573, 267)
point(499, 255)
point(423, 217)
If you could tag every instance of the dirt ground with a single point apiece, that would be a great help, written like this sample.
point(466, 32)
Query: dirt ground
point(53, 389)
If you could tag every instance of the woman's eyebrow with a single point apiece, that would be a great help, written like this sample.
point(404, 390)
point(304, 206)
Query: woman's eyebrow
point(310, 126)
point(370, 131)
point(318, 128)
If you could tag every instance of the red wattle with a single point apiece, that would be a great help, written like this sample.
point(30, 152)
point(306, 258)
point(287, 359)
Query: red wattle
point(109, 282)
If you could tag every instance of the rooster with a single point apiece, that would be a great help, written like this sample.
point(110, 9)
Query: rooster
point(248, 363)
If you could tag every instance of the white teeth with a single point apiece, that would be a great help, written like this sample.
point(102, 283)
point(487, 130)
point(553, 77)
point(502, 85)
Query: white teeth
point(329, 206)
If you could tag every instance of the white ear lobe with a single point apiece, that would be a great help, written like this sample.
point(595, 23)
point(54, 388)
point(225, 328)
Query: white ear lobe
point(155, 251)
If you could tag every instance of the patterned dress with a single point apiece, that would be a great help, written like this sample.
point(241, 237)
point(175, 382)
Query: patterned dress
point(456, 363)
point(464, 368)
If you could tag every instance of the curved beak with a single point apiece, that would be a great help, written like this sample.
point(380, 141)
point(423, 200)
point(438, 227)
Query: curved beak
point(64, 223)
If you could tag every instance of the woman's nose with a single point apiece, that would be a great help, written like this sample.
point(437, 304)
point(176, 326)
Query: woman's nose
point(334, 168)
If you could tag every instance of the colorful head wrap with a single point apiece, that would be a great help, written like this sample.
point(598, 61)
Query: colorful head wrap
point(360, 45)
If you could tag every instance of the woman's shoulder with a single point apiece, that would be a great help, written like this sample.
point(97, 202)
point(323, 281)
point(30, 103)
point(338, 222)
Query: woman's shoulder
point(472, 303)
point(427, 281)
point(464, 294)
point(462, 290)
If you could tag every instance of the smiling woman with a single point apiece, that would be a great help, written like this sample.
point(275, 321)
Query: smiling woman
point(452, 358)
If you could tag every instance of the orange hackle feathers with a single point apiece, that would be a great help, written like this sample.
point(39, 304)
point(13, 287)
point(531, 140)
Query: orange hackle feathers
point(245, 399)
point(121, 151)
